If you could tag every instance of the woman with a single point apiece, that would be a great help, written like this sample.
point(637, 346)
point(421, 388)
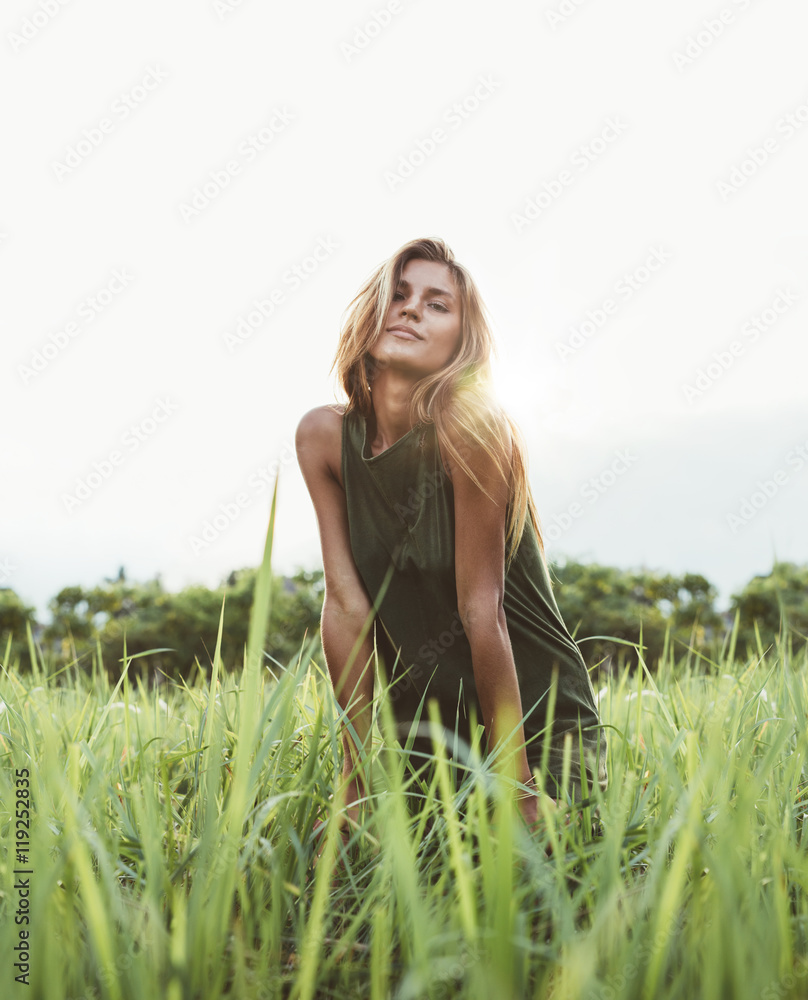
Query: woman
point(429, 532)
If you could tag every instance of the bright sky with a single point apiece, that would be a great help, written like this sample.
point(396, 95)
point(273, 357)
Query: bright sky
point(625, 181)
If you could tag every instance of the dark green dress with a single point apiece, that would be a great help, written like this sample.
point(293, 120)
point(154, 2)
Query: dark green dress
point(401, 518)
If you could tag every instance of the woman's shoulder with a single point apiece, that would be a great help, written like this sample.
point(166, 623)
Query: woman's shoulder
point(320, 431)
point(321, 421)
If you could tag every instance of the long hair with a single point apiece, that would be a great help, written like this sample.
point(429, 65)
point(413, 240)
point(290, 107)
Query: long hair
point(457, 398)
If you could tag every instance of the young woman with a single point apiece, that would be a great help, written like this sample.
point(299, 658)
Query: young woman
point(429, 532)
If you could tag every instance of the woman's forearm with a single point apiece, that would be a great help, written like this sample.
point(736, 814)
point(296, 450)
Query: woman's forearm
point(498, 691)
point(347, 640)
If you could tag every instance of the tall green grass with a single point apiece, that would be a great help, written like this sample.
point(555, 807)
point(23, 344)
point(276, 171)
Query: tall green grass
point(172, 843)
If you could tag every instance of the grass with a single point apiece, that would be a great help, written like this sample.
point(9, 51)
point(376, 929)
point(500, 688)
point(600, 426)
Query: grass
point(172, 847)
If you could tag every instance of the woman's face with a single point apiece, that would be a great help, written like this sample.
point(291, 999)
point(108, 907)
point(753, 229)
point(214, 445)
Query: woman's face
point(426, 301)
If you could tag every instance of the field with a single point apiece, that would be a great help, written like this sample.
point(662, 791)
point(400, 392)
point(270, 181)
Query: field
point(171, 846)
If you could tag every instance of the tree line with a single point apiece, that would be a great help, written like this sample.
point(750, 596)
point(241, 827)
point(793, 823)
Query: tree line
point(608, 610)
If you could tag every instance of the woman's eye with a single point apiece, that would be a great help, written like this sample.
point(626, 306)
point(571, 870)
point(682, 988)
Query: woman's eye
point(437, 305)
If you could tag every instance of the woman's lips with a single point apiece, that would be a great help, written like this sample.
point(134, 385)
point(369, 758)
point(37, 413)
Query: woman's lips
point(398, 332)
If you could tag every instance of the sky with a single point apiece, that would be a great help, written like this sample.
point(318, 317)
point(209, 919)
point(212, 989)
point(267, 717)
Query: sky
point(194, 192)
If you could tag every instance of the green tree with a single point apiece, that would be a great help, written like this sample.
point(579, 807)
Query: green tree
point(779, 598)
point(596, 600)
point(15, 615)
point(184, 625)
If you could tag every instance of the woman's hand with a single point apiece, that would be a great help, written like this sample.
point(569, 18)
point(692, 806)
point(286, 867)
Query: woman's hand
point(347, 821)
point(529, 809)
point(531, 813)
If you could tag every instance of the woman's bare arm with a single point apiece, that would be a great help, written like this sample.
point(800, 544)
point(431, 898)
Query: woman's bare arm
point(347, 616)
point(480, 578)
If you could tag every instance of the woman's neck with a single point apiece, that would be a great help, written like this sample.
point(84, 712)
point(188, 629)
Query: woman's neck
point(390, 395)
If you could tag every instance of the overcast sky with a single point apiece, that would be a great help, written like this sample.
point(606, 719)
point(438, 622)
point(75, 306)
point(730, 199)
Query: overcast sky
point(194, 191)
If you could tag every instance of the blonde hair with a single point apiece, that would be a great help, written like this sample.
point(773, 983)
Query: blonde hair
point(457, 398)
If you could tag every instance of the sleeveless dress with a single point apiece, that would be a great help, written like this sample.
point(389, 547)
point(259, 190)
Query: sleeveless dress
point(401, 519)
